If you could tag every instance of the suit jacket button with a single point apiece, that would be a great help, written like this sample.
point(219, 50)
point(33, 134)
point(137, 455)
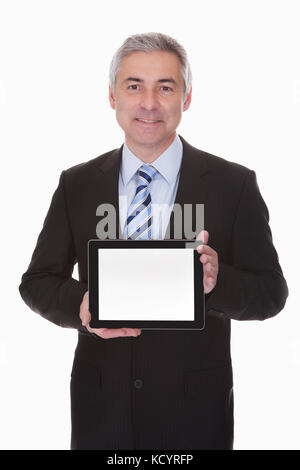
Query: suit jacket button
point(138, 383)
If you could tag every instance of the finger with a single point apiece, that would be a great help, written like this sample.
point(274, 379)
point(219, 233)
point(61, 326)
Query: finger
point(210, 270)
point(85, 300)
point(206, 249)
point(112, 333)
point(210, 262)
point(203, 236)
point(107, 333)
point(207, 259)
point(211, 282)
point(208, 284)
point(132, 331)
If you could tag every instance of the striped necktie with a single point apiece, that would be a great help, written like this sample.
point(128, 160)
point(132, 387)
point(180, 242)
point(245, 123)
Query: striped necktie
point(138, 225)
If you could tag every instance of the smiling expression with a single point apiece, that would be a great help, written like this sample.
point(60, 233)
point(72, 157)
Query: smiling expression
point(148, 98)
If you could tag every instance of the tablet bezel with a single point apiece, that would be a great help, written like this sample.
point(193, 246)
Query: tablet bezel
point(93, 277)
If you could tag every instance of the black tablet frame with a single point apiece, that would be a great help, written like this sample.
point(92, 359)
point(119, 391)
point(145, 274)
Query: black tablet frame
point(93, 284)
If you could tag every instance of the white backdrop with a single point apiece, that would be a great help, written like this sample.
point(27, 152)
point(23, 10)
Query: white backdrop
point(54, 113)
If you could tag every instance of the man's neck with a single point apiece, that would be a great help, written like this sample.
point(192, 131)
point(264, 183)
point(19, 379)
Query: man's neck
point(149, 154)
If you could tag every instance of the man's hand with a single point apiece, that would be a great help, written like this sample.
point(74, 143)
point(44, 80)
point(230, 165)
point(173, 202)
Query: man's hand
point(209, 258)
point(105, 333)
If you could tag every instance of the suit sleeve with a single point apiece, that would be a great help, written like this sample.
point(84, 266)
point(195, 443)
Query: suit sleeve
point(253, 287)
point(47, 286)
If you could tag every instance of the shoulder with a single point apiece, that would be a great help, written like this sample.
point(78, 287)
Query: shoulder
point(229, 178)
point(219, 169)
point(77, 179)
point(212, 162)
point(218, 164)
point(88, 166)
point(225, 170)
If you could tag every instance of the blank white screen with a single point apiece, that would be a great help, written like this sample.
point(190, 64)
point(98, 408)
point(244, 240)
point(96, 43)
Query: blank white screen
point(146, 284)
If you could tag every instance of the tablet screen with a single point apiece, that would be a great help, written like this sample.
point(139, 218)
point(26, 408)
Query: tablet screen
point(143, 284)
point(148, 284)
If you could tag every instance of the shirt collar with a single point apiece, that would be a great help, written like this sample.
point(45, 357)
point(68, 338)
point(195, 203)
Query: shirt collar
point(168, 163)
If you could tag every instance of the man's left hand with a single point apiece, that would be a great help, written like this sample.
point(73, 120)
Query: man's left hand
point(209, 259)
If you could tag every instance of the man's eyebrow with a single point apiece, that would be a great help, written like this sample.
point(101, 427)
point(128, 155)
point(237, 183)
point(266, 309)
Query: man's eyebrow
point(161, 80)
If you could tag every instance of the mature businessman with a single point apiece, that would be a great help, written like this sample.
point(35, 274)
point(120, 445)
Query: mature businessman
point(151, 389)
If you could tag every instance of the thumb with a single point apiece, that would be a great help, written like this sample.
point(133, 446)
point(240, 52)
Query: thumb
point(203, 236)
point(85, 317)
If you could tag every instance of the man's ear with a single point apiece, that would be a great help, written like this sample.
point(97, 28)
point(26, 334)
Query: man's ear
point(187, 100)
point(111, 97)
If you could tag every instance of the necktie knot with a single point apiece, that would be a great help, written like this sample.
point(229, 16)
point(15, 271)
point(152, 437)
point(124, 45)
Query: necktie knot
point(146, 174)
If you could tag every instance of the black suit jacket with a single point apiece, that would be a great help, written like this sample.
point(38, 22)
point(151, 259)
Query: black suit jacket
point(163, 389)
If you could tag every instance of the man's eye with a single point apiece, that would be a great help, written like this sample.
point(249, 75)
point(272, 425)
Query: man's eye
point(164, 88)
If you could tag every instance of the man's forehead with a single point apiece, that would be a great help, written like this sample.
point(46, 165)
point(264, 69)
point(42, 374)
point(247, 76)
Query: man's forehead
point(141, 66)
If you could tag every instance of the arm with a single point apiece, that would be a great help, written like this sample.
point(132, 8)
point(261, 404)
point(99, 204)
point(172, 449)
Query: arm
point(253, 287)
point(47, 286)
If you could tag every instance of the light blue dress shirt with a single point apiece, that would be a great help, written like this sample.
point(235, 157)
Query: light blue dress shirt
point(163, 187)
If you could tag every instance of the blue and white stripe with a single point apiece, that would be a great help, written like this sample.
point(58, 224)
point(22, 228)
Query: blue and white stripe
point(139, 219)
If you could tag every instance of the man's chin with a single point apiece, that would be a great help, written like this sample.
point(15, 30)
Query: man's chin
point(146, 140)
point(149, 139)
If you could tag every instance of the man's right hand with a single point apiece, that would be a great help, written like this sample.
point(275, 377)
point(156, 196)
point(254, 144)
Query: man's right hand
point(104, 333)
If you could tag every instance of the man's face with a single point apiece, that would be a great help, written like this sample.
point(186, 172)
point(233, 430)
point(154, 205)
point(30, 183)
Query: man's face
point(149, 87)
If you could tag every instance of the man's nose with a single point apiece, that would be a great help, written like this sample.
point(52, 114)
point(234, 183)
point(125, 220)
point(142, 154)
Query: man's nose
point(149, 100)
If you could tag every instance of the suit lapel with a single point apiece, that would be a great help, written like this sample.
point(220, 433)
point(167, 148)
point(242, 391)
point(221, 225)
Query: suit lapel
point(192, 186)
point(109, 165)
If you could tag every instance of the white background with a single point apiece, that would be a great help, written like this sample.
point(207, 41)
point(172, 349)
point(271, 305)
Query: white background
point(54, 113)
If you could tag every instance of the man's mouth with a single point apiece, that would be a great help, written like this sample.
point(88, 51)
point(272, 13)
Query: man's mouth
point(148, 121)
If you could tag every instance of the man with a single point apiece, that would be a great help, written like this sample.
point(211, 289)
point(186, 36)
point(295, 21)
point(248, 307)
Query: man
point(156, 389)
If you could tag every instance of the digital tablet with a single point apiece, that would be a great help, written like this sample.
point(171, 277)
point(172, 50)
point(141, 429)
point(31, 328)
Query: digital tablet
point(146, 284)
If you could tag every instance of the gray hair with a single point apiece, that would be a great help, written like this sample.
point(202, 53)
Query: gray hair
point(146, 43)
